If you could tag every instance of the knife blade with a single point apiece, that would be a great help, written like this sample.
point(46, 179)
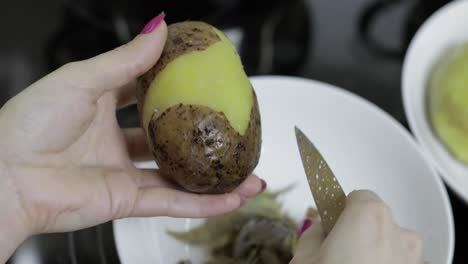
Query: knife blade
point(326, 190)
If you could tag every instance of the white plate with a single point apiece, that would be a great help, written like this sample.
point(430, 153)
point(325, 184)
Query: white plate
point(445, 28)
point(365, 147)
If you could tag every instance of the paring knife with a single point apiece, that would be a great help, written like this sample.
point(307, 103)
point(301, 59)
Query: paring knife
point(327, 192)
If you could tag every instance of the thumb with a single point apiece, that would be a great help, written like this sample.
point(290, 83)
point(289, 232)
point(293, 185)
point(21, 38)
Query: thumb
point(115, 68)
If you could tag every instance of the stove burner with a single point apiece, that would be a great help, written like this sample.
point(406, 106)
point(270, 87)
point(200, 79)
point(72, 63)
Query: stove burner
point(93, 245)
point(418, 12)
point(266, 27)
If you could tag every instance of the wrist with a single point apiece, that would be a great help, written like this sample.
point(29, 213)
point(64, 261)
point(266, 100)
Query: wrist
point(13, 230)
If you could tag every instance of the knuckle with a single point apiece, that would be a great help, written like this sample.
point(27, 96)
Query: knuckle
point(136, 68)
point(136, 65)
point(69, 67)
point(121, 48)
point(379, 211)
point(76, 73)
point(375, 215)
point(414, 243)
point(411, 246)
point(363, 195)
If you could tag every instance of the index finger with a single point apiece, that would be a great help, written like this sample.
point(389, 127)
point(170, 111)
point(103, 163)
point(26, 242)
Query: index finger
point(175, 203)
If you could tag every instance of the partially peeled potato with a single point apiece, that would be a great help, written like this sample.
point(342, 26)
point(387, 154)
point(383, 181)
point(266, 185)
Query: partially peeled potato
point(199, 111)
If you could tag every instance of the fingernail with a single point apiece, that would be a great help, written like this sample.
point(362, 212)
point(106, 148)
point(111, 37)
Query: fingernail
point(264, 185)
point(154, 23)
point(305, 225)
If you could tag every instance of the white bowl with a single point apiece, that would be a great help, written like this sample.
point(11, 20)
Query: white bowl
point(444, 29)
point(364, 146)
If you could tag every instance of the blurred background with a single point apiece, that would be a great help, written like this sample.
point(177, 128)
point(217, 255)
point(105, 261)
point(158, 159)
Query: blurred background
point(356, 44)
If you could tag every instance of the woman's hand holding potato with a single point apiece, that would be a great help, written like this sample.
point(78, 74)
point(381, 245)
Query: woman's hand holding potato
point(65, 164)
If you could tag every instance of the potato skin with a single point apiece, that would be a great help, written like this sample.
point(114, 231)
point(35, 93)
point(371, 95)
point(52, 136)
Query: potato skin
point(197, 148)
point(182, 38)
point(194, 145)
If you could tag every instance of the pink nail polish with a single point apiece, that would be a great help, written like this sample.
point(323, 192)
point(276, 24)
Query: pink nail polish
point(264, 185)
point(305, 225)
point(154, 23)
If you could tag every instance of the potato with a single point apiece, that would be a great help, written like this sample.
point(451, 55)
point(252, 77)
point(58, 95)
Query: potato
point(199, 111)
point(448, 101)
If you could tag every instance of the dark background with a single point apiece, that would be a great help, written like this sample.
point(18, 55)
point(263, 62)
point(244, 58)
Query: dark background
point(356, 44)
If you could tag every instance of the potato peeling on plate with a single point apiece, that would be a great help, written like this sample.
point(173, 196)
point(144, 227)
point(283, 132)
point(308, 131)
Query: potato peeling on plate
point(259, 232)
